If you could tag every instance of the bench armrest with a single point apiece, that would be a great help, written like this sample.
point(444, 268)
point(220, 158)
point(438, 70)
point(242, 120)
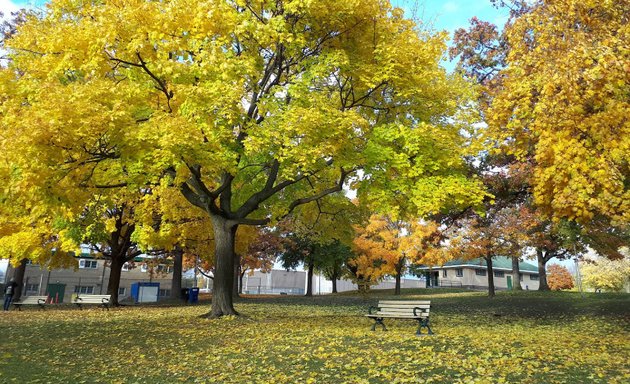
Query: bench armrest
point(416, 308)
point(371, 308)
point(105, 300)
point(41, 301)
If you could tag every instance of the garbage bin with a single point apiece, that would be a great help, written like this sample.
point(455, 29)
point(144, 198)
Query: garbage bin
point(185, 294)
point(193, 295)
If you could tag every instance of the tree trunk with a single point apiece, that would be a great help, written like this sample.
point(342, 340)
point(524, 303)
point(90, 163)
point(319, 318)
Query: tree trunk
point(516, 275)
point(18, 275)
point(223, 283)
point(490, 277)
point(334, 283)
point(542, 273)
point(399, 268)
point(237, 274)
point(397, 286)
point(115, 272)
point(240, 282)
point(309, 282)
point(176, 281)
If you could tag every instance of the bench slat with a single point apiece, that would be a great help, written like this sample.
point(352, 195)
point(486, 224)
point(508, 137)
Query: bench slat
point(423, 302)
point(32, 300)
point(401, 315)
point(402, 310)
point(405, 307)
point(102, 300)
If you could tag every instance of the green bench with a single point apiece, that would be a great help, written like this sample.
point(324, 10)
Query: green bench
point(399, 309)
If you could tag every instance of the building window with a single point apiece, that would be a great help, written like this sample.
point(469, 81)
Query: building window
point(499, 274)
point(144, 268)
point(83, 289)
point(459, 272)
point(480, 272)
point(444, 273)
point(164, 268)
point(32, 287)
point(533, 277)
point(126, 267)
point(164, 293)
point(521, 276)
point(122, 291)
point(92, 264)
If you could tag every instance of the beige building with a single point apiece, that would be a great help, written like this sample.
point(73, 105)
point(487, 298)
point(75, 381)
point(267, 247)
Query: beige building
point(473, 274)
point(91, 277)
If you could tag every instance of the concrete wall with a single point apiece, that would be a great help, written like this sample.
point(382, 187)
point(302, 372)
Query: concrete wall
point(280, 281)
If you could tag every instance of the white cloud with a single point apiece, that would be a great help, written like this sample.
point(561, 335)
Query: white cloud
point(6, 7)
point(450, 7)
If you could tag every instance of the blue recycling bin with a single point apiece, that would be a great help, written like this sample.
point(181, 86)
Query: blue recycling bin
point(193, 295)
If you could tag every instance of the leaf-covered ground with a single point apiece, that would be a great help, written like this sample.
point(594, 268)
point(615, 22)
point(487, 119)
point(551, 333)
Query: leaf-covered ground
point(524, 337)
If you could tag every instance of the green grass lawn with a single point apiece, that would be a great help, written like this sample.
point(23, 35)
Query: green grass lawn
point(526, 337)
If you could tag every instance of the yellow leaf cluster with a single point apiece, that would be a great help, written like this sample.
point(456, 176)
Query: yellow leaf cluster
point(564, 101)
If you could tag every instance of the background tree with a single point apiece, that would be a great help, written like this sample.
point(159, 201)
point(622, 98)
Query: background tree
point(367, 267)
point(396, 242)
point(605, 274)
point(498, 232)
point(552, 239)
point(250, 112)
point(314, 231)
point(261, 254)
point(531, 111)
point(559, 278)
point(300, 250)
point(563, 101)
point(331, 261)
point(107, 229)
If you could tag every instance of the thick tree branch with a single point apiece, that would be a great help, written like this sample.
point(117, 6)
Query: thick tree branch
point(338, 187)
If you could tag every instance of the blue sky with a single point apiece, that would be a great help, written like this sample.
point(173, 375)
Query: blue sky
point(452, 14)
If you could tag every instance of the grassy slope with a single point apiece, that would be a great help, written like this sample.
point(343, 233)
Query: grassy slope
point(526, 337)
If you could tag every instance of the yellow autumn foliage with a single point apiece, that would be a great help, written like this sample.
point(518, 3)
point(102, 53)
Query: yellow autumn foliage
point(564, 101)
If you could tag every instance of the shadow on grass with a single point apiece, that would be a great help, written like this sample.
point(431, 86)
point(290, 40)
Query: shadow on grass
point(526, 304)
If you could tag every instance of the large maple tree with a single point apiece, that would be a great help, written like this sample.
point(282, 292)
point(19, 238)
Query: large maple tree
point(250, 109)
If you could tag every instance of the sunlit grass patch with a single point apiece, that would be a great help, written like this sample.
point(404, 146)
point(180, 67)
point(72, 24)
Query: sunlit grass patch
point(325, 340)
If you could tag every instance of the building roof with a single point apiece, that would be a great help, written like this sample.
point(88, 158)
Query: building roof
point(498, 262)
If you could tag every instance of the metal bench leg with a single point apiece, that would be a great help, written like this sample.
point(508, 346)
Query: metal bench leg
point(423, 323)
point(378, 321)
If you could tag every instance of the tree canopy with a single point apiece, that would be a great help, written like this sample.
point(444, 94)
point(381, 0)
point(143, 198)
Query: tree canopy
point(249, 109)
point(563, 99)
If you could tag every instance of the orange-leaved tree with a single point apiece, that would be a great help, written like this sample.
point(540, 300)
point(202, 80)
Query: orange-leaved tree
point(386, 247)
point(559, 277)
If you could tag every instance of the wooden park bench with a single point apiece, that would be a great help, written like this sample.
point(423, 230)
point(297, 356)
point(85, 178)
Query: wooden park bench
point(31, 300)
point(100, 300)
point(398, 309)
